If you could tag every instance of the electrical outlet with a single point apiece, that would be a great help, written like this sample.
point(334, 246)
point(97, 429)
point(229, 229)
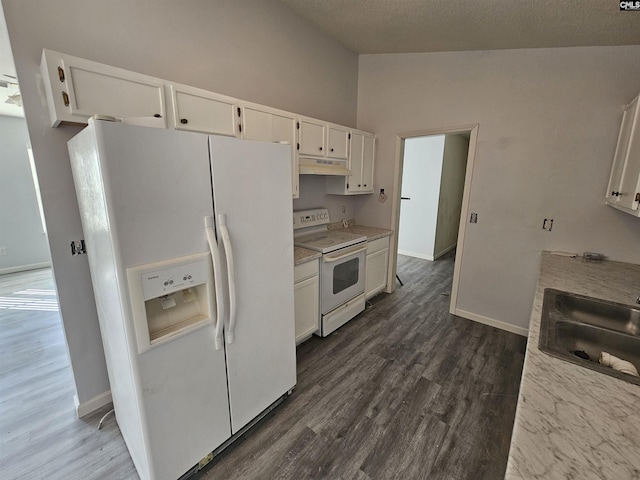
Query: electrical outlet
point(3, 250)
point(344, 209)
point(547, 224)
point(474, 218)
point(78, 247)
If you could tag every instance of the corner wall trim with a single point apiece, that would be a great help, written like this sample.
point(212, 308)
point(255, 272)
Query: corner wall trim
point(492, 322)
point(93, 404)
point(24, 268)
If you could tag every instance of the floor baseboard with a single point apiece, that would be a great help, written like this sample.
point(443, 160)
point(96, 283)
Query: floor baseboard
point(24, 268)
point(93, 404)
point(492, 322)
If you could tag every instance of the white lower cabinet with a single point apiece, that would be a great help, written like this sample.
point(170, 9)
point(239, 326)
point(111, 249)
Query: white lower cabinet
point(307, 299)
point(377, 260)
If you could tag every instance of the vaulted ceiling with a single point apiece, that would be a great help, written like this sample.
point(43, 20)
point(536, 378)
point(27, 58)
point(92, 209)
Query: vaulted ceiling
point(403, 26)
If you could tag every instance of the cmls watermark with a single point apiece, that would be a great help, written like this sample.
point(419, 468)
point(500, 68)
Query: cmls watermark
point(630, 6)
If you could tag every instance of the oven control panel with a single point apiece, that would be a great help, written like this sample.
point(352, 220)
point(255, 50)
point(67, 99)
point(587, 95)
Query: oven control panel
point(310, 218)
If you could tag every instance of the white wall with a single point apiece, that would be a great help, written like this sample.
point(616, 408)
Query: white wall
point(21, 231)
point(454, 163)
point(312, 195)
point(257, 50)
point(548, 123)
point(421, 173)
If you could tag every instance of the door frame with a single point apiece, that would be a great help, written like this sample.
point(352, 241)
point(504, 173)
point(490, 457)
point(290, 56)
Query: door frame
point(472, 130)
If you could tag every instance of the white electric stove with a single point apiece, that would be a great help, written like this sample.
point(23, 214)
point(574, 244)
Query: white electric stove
point(342, 273)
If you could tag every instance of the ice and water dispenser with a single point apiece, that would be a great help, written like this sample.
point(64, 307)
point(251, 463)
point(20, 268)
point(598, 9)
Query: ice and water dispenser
point(170, 298)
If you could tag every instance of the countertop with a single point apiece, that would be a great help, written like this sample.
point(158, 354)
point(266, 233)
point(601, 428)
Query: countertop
point(571, 422)
point(302, 255)
point(372, 233)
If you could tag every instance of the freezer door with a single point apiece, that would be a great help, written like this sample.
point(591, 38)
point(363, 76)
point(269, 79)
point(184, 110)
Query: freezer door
point(252, 203)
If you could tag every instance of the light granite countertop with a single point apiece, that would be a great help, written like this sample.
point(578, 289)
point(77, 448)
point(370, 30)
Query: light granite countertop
point(571, 422)
point(372, 233)
point(303, 255)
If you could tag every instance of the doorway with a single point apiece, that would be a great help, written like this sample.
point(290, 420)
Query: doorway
point(438, 183)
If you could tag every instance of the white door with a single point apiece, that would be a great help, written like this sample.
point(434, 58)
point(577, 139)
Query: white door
point(312, 138)
point(272, 126)
point(92, 88)
point(354, 183)
point(337, 142)
point(251, 184)
point(201, 111)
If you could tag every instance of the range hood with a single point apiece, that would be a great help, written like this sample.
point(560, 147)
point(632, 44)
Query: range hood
point(321, 166)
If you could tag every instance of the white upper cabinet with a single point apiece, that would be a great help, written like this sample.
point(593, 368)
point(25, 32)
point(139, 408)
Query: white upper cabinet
point(368, 160)
point(337, 142)
point(361, 163)
point(76, 89)
point(271, 125)
point(312, 137)
point(623, 191)
point(198, 110)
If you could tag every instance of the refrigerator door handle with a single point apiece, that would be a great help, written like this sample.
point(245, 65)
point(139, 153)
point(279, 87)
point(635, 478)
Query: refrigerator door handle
point(226, 242)
point(217, 279)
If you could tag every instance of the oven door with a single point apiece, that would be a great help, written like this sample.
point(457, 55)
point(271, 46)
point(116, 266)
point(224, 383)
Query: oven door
point(343, 273)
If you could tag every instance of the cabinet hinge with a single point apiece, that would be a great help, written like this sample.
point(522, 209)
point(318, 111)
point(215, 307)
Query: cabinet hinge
point(65, 99)
point(347, 186)
point(349, 136)
point(297, 146)
point(61, 74)
point(239, 114)
point(298, 125)
point(637, 197)
point(240, 127)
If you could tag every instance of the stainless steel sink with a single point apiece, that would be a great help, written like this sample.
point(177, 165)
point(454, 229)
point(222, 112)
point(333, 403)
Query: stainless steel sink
point(576, 323)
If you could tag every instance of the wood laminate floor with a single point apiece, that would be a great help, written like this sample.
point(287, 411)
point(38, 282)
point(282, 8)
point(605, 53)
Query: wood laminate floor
point(404, 391)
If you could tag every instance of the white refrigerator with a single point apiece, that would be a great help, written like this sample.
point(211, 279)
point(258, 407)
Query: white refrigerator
point(190, 247)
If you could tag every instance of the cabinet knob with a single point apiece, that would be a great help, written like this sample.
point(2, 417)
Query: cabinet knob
point(615, 194)
point(365, 184)
point(157, 115)
point(184, 121)
point(359, 185)
point(332, 149)
point(320, 148)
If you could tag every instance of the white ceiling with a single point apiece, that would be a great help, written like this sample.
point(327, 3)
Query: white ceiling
point(404, 26)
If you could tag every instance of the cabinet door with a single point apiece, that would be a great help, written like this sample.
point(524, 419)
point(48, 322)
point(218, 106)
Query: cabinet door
point(312, 138)
point(272, 126)
point(337, 142)
point(368, 160)
point(257, 125)
point(76, 89)
point(201, 111)
point(630, 182)
point(376, 276)
point(354, 181)
point(307, 307)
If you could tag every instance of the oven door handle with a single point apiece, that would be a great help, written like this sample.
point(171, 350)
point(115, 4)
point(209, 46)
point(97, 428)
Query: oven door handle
point(343, 253)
